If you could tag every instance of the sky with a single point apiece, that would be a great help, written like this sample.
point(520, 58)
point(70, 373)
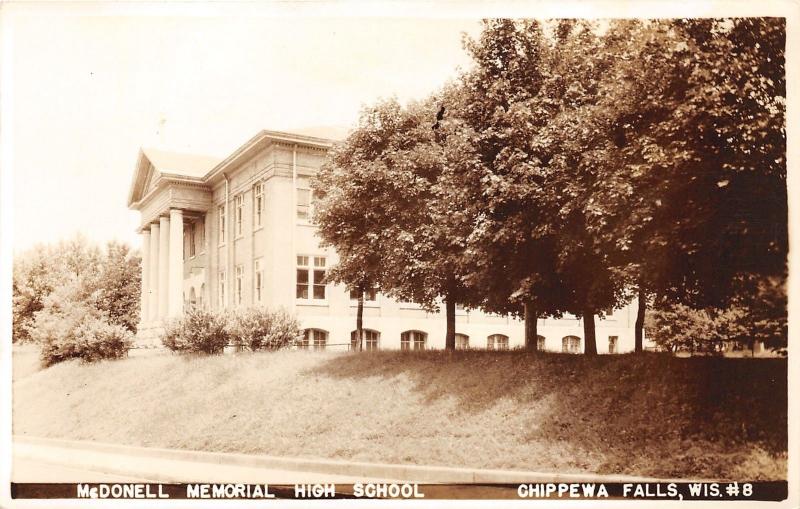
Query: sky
point(89, 90)
point(85, 85)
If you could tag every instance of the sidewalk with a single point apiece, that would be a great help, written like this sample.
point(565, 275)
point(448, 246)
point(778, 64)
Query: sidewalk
point(176, 466)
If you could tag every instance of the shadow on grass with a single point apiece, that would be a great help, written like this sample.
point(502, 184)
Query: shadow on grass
point(653, 404)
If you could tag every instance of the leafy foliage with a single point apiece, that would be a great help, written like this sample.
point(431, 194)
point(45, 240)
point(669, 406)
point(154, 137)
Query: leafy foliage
point(263, 329)
point(197, 331)
point(572, 166)
point(77, 301)
point(69, 327)
point(108, 282)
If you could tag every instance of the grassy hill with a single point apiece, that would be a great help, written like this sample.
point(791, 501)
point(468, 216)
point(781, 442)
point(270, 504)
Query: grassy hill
point(648, 415)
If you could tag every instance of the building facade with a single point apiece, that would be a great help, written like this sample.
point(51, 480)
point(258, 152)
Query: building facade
point(238, 233)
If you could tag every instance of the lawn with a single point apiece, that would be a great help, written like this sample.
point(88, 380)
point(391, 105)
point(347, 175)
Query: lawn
point(651, 415)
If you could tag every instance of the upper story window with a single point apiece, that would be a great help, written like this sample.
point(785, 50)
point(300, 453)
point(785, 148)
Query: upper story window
point(413, 339)
point(222, 289)
point(462, 341)
point(192, 239)
point(200, 232)
point(239, 283)
point(310, 277)
point(258, 204)
point(238, 204)
point(258, 280)
point(221, 213)
point(497, 342)
point(370, 294)
point(304, 198)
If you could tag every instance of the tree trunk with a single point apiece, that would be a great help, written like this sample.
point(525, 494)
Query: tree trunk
point(531, 333)
point(360, 319)
point(639, 327)
point(450, 337)
point(589, 333)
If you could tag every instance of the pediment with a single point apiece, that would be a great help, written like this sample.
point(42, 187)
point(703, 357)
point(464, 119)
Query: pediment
point(145, 179)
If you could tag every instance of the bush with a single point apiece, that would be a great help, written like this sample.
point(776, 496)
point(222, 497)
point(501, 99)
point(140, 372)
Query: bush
point(263, 329)
point(70, 328)
point(197, 331)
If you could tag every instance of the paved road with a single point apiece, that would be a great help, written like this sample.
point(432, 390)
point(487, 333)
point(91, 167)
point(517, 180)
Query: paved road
point(32, 470)
point(40, 463)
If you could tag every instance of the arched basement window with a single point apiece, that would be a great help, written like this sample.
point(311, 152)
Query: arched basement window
point(540, 343)
point(371, 338)
point(413, 340)
point(462, 341)
point(571, 344)
point(317, 338)
point(497, 342)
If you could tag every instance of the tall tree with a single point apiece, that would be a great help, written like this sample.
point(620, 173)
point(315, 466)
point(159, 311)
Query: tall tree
point(512, 249)
point(388, 218)
point(530, 94)
point(696, 112)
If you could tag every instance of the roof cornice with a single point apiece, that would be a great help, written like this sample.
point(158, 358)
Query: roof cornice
point(268, 137)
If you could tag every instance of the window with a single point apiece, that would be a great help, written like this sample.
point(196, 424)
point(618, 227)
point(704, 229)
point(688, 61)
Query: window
point(192, 239)
point(201, 297)
point(540, 343)
point(221, 212)
point(239, 281)
point(200, 231)
point(310, 280)
point(238, 203)
point(317, 338)
point(571, 344)
point(413, 339)
point(497, 342)
point(304, 198)
point(192, 298)
point(612, 344)
point(222, 288)
point(462, 341)
point(258, 204)
point(370, 295)
point(258, 280)
point(370, 339)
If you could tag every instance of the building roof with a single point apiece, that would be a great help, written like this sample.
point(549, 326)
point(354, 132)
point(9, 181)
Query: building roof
point(208, 169)
point(190, 165)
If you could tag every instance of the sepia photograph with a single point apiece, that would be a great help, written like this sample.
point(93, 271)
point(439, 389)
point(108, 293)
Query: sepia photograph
point(433, 252)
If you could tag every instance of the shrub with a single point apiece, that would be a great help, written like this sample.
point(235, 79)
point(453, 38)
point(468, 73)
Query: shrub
point(89, 339)
point(197, 331)
point(263, 329)
point(69, 328)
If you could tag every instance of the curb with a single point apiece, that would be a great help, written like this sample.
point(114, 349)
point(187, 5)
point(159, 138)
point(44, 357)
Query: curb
point(416, 473)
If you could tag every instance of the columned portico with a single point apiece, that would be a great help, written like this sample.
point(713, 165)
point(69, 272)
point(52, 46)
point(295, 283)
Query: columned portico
point(162, 268)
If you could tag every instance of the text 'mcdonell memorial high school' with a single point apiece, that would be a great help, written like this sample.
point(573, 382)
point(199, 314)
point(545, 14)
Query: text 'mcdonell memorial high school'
point(238, 233)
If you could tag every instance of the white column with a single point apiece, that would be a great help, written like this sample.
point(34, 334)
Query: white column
point(163, 269)
point(152, 300)
point(143, 318)
point(175, 262)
